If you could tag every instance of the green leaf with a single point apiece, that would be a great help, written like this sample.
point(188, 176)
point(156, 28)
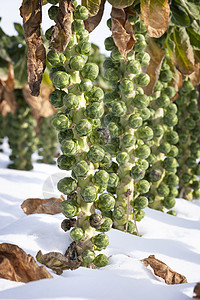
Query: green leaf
point(19, 29)
point(193, 9)
point(194, 35)
point(92, 6)
point(20, 71)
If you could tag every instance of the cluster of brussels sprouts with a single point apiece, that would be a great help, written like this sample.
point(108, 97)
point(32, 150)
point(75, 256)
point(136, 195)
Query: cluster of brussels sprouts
point(82, 138)
point(189, 149)
point(2, 130)
point(47, 142)
point(20, 129)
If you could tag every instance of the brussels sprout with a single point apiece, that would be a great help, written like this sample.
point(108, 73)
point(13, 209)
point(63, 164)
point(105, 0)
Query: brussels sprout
point(101, 178)
point(128, 140)
point(109, 23)
point(52, 12)
point(106, 202)
point(112, 147)
point(140, 202)
point(89, 194)
point(81, 12)
point(192, 107)
point(143, 58)
point(189, 123)
point(81, 168)
point(187, 87)
point(66, 162)
point(135, 121)
point(171, 108)
point(84, 127)
point(106, 162)
point(116, 55)
point(96, 94)
point(109, 64)
point(155, 175)
point(163, 190)
point(133, 67)
point(163, 101)
point(126, 87)
point(172, 137)
point(85, 85)
point(142, 186)
point(77, 233)
point(164, 148)
point(158, 130)
point(144, 133)
point(77, 26)
point(142, 79)
point(139, 27)
point(94, 110)
point(165, 76)
point(83, 48)
point(56, 59)
point(60, 122)
point(173, 191)
point(60, 79)
point(169, 202)
point(169, 91)
point(101, 260)
point(140, 46)
point(100, 241)
point(48, 32)
point(173, 151)
point(110, 118)
point(107, 225)
point(170, 119)
point(191, 162)
point(142, 151)
point(183, 138)
point(109, 43)
point(185, 177)
point(90, 71)
point(95, 154)
point(119, 109)
point(158, 86)
point(67, 185)
point(113, 180)
point(56, 98)
point(69, 208)
point(144, 113)
point(139, 215)
point(69, 147)
point(88, 256)
point(131, 227)
point(172, 212)
point(77, 63)
point(137, 172)
point(71, 101)
point(112, 74)
point(119, 213)
point(141, 101)
point(196, 194)
point(114, 129)
point(122, 157)
point(170, 164)
point(172, 179)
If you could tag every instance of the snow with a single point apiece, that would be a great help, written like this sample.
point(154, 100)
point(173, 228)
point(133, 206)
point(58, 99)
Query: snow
point(174, 240)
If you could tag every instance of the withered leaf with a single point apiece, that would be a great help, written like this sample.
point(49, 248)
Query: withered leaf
point(31, 12)
point(16, 265)
point(155, 14)
point(122, 31)
point(62, 32)
point(93, 21)
point(197, 291)
point(177, 79)
point(49, 206)
point(163, 271)
point(156, 58)
point(195, 76)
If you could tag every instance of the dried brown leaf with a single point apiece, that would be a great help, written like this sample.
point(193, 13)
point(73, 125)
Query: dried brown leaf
point(16, 265)
point(62, 32)
point(197, 291)
point(49, 206)
point(122, 31)
point(163, 271)
point(155, 14)
point(177, 79)
point(92, 22)
point(195, 76)
point(156, 54)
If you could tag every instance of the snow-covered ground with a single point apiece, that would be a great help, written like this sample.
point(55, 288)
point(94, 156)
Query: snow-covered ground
point(174, 240)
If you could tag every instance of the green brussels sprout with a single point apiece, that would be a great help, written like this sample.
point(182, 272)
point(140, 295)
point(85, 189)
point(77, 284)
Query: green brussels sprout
point(89, 194)
point(133, 67)
point(66, 162)
point(101, 260)
point(141, 101)
point(191, 162)
point(110, 98)
point(142, 163)
point(142, 151)
point(142, 79)
point(90, 71)
point(131, 227)
point(139, 27)
point(94, 110)
point(173, 191)
point(143, 58)
point(144, 113)
point(101, 178)
point(158, 130)
point(185, 177)
point(170, 164)
point(81, 168)
point(77, 26)
point(112, 74)
point(109, 64)
point(194, 94)
point(163, 190)
point(171, 108)
point(163, 101)
point(116, 55)
point(109, 43)
point(107, 225)
point(171, 137)
point(96, 220)
point(77, 63)
point(165, 76)
point(197, 170)
point(137, 172)
point(105, 202)
point(85, 85)
point(144, 133)
point(113, 180)
point(119, 213)
point(54, 70)
point(195, 149)
point(114, 129)
point(158, 86)
point(169, 91)
point(126, 87)
point(183, 138)
point(106, 162)
point(69, 208)
point(122, 157)
point(71, 43)
point(109, 23)
point(164, 148)
point(77, 234)
point(170, 119)
point(83, 48)
point(88, 256)
point(95, 154)
point(140, 202)
point(139, 215)
point(69, 147)
point(52, 12)
point(119, 109)
point(48, 32)
point(139, 46)
point(173, 151)
point(135, 121)
point(196, 194)
point(155, 175)
point(172, 212)
point(60, 79)
point(96, 94)
point(84, 127)
point(187, 87)
point(67, 185)
point(112, 147)
point(60, 122)
point(100, 241)
point(169, 202)
point(128, 140)
point(189, 123)
point(142, 186)
point(56, 98)
point(192, 108)
point(56, 59)
point(81, 12)
point(108, 118)
point(71, 101)
point(172, 179)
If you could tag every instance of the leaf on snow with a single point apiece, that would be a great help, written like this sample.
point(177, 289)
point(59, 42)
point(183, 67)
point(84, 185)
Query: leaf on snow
point(31, 12)
point(163, 271)
point(93, 21)
point(62, 32)
point(93, 6)
point(49, 206)
point(122, 31)
point(155, 14)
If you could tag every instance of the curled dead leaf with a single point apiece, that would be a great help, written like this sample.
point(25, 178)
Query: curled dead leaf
point(93, 21)
point(16, 265)
point(163, 271)
point(195, 76)
point(197, 291)
point(49, 206)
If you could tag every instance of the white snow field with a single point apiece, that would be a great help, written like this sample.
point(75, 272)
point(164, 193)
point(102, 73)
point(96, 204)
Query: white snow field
point(174, 240)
